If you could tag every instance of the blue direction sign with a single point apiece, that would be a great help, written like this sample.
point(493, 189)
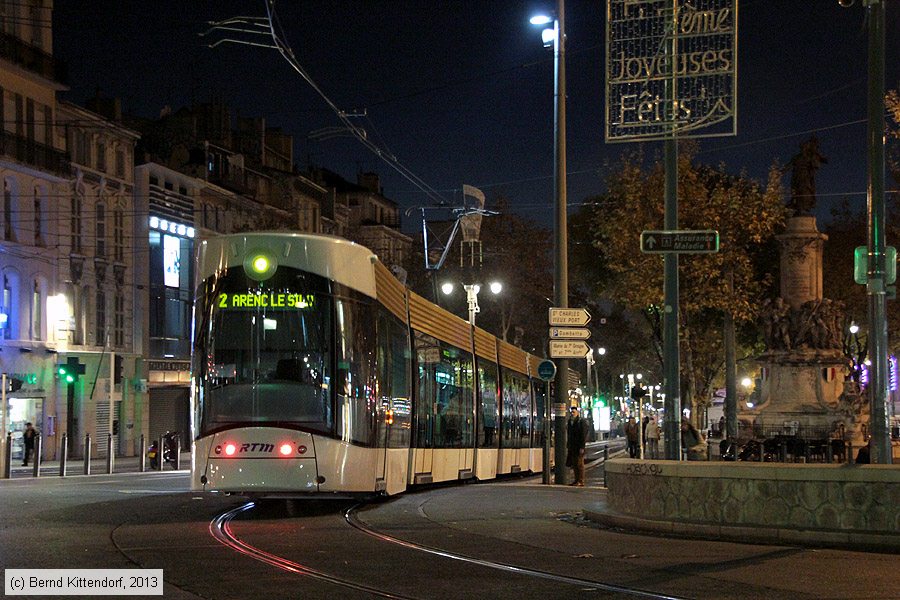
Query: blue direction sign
point(680, 241)
point(546, 370)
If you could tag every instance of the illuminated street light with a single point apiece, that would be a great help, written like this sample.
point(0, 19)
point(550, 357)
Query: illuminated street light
point(472, 291)
point(561, 267)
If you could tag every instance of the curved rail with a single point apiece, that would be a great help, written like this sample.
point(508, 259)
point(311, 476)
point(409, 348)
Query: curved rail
point(220, 529)
point(350, 517)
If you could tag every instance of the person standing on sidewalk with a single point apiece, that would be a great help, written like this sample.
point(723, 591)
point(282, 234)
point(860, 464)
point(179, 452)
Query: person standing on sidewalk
point(652, 433)
point(632, 436)
point(28, 440)
point(577, 439)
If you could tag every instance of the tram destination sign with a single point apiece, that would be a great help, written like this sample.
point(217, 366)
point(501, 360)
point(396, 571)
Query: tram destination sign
point(680, 241)
point(671, 69)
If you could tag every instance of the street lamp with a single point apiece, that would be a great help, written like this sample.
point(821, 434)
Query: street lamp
point(472, 295)
point(561, 268)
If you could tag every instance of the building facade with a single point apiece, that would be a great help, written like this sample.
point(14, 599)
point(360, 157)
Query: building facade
point(65, 250)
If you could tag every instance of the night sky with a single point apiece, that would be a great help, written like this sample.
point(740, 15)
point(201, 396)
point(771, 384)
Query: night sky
point(462, 91)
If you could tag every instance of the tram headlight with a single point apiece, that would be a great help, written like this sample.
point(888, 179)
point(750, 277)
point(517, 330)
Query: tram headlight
point(285, 449)
point(260, 265)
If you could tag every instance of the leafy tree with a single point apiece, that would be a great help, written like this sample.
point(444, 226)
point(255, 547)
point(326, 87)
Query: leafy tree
point(746, 215)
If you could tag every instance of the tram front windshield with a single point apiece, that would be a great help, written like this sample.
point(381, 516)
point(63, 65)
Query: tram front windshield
point(262, 349)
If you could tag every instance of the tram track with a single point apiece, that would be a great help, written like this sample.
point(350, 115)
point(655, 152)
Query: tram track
point(221, 530)
point(354, 521)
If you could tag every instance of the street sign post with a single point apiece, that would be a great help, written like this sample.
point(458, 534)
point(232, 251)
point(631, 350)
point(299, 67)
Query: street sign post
point(569, 317)
point(568, 349)
point(680, 241)
point(569, 333)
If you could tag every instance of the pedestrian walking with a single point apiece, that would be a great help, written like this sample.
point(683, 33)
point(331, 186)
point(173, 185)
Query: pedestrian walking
point(652, 433)
point(632, 435)
point(576, 440)
point(28, 439)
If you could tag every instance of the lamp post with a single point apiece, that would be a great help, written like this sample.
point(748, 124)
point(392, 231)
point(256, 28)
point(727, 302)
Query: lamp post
point(472, 291)
point(561, 281)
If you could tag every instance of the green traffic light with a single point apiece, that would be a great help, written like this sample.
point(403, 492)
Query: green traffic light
point(61, 371)
point(70, 379)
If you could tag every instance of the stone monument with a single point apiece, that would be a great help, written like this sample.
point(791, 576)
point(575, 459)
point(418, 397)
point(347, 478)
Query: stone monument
point(805, 389)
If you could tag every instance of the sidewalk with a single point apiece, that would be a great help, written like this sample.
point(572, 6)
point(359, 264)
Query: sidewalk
point(75, 466)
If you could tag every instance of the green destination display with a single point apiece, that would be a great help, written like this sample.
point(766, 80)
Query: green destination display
point(273, 300)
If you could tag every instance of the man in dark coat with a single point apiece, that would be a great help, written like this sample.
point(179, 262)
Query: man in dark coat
point(576, 437)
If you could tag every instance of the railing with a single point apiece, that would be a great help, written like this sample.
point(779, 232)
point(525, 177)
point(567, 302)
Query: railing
point(785, 448)
point(33, 153)
point(32, 58)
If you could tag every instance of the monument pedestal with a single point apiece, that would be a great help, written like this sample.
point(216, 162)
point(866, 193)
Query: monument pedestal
point(808, 396)
point(803, 390)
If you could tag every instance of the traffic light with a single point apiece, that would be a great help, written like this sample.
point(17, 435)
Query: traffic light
point(71, 370)
point(13, 384)
point(601, 401)
point(637, 392)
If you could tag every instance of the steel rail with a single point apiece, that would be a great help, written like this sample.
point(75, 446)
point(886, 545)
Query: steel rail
point(353, 520)
point(220, 529)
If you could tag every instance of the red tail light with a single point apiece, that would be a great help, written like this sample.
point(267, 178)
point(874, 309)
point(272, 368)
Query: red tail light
point(230, 449)
point(285, 449)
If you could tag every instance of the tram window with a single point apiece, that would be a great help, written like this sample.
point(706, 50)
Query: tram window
point(516, 416)
point(356, 383)
point(259, 364)
point(445, 407)
point(540, 399)
point(487, 383)
point(393, 380)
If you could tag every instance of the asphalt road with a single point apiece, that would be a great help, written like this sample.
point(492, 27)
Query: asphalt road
point(150, 520)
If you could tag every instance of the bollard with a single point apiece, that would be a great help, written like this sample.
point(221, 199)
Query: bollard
point(177, 452)
point(161, 453)
point(708, 452)
point(63, 452)
point(7, 462)
point(36, 470)
point(110, 455)
point(143, 460)
point(783, 451)
point(849, 448)
point(87, 454)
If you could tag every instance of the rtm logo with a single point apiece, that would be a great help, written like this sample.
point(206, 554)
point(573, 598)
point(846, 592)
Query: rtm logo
point(249, 447)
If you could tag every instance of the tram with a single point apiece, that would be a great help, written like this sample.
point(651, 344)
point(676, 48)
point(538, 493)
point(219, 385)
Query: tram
point(316, 372)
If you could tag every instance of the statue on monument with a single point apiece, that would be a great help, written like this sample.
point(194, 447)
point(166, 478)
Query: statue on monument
point(803, 167)
point(816, 325)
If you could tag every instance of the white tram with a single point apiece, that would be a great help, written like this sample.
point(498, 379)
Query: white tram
point(316, 372)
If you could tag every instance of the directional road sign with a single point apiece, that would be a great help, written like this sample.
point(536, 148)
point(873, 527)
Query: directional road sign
point(572, 317)
point(680, 241)
point(568, 349)
point(569, 333)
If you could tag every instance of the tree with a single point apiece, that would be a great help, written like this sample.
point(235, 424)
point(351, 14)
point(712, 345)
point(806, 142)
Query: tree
point(746, 215)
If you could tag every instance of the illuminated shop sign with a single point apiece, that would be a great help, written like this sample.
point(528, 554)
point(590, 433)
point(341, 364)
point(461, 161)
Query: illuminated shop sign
point(273, 300)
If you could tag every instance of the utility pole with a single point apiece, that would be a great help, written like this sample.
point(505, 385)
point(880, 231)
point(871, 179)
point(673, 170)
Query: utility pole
point(561, 287)
point(876, 277)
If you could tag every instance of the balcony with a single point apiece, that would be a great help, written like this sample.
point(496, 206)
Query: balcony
point(32, 58)
point(34, 154)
